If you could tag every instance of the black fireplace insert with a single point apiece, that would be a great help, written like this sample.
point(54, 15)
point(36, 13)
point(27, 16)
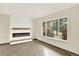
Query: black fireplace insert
point(20, 34)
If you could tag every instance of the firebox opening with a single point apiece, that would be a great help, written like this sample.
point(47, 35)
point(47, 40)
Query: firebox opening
point(20, 34)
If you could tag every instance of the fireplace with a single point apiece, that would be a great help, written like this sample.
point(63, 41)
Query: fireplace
point(20, 34)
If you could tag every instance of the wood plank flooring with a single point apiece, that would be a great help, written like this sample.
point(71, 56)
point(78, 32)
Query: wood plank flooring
point(33, 48)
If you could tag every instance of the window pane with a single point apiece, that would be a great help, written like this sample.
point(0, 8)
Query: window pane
point(52, 28)
point(44, 28)
point(63, 28)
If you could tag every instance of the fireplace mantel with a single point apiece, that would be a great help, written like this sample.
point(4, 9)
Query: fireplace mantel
point(20, 28)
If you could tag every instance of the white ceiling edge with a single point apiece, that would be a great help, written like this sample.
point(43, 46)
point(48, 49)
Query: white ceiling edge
point(33, 10)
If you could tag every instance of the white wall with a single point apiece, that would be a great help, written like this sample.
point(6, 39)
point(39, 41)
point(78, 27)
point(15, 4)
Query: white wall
point(4, 29)
point(34, 25)
point(73, 29)
point(20, 22)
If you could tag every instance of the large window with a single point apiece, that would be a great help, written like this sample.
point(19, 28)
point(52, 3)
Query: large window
point(56, 28)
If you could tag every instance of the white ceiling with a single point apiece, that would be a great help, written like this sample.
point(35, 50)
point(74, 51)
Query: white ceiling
point(33, 10)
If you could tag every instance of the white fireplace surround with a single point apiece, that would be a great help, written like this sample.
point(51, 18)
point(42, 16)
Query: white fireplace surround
point(21, 39)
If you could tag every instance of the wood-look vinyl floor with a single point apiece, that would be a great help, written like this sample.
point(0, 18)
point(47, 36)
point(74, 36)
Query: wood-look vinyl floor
point(33, 48)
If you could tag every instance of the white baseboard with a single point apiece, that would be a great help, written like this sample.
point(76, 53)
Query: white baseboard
point(4, 42)
point(22, 41)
